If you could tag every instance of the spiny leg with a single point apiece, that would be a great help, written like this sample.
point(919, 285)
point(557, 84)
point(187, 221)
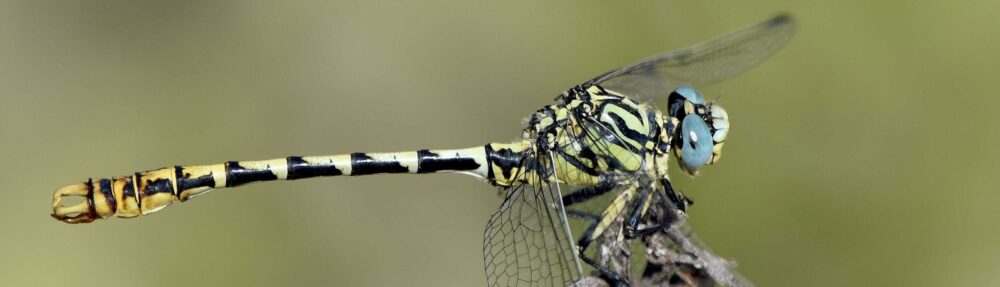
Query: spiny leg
point(637, 211)
point(633, 230)
point(680, 201)
point(592, 220)
point(584, 194)
point(599, 224)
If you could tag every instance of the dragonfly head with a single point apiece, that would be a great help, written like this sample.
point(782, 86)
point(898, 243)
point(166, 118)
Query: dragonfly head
point(703, 127)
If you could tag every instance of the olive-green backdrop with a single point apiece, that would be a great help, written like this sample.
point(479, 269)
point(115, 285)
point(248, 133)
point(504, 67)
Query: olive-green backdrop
point(864, 154)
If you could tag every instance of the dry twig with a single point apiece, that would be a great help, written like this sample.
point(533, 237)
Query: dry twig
point(672, 257)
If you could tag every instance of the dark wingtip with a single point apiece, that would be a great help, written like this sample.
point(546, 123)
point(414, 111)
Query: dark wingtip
point(783, 18)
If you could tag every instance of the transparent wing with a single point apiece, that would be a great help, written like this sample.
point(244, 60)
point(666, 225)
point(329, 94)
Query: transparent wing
point(701, 64)
point(526, 243)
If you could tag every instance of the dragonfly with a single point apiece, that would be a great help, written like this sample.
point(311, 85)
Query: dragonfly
point(604, 138)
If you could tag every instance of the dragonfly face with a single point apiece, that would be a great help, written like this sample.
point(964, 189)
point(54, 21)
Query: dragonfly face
point(703, 129)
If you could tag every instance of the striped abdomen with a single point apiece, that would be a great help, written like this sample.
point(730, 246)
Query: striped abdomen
point(150, 191)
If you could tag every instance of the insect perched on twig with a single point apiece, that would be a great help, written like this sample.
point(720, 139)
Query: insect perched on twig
point(598, 140)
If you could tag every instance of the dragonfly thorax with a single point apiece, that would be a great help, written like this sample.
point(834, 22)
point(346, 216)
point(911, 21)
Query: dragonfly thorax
point(591, 132)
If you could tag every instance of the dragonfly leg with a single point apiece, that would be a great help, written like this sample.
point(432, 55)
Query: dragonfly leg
point(632, 229)
point(680, 201)
point(584, 194)
point(584, 241)
point(668, 202)
point(598, 225)
point(587, 193)
point(612, 277)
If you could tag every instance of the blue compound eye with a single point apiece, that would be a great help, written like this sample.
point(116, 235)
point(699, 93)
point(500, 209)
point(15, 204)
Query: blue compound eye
point(696, 139)
point(690, 94)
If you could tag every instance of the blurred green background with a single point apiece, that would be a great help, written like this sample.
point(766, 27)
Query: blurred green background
point(865, 153)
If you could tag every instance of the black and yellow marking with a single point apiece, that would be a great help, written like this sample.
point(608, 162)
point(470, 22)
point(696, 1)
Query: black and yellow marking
point(150, 191)
point(591, 132)
point(300, 168)
point(364, 164)
point(429, 161)
point(587, 136)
